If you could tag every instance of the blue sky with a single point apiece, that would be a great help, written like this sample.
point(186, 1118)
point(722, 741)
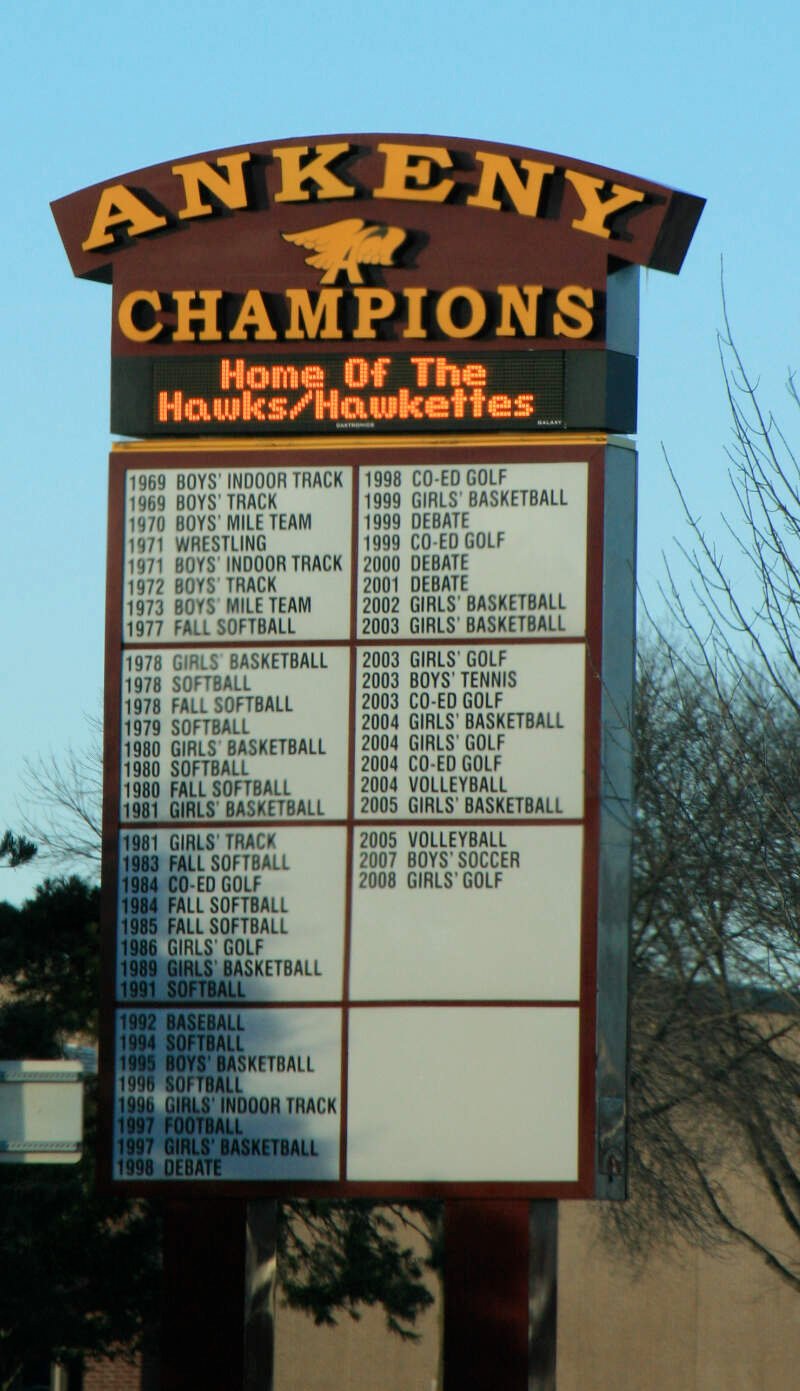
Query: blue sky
point(701, 97)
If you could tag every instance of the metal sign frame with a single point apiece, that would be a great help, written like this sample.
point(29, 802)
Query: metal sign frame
point(606, 820)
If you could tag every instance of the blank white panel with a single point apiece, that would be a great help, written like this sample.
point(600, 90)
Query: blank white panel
point(463, 1094)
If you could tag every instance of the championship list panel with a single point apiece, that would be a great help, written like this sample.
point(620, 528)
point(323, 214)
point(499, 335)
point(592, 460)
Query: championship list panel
point(351, 783)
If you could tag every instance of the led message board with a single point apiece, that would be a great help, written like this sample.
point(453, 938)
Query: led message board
point(404, 392)
point(368, 780)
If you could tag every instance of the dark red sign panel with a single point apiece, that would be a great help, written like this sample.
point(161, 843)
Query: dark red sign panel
point(389, 242)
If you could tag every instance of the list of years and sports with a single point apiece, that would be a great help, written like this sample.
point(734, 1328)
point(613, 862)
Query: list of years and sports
point(352, 755)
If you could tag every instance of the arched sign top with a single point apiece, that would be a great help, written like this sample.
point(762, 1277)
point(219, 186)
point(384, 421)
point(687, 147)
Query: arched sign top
point(334, 209)
point(291, 260)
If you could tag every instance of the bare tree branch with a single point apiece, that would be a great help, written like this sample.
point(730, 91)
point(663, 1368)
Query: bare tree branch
point(715, 1002)
point(62, 805)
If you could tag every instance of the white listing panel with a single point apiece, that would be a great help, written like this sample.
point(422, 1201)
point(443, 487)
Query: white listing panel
point(482, 551)
point(467, 912)
point(221, 1094)
point(481, 731)
point(251, 554)
point(242, 735)
point(231, 914)
point(355, 733)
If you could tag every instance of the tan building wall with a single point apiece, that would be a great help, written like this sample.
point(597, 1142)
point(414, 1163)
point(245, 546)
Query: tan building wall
point(359, 1355)
point(354, 1356)
point(689, 1321)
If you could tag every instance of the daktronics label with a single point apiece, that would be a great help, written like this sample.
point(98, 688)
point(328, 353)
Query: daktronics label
point(361, 392)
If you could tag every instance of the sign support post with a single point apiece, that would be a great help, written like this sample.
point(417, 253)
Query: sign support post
point(486, 1295)
point(202, 1343)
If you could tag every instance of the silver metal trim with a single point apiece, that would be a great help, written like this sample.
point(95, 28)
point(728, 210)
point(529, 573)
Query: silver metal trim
point(616, 819)
point(40, 1146)
point(7, 1075)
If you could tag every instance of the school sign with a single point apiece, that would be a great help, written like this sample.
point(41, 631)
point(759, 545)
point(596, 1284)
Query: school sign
point(370, 663)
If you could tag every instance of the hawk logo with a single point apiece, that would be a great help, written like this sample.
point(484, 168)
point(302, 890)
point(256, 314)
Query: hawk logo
point(348, 245)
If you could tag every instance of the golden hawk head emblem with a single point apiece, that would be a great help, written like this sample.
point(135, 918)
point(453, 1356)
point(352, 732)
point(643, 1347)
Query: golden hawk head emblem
point(348, 245)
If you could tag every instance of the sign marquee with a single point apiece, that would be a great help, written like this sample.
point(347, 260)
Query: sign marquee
point(638, 221)
point(370, 625)
point(362, 393)
point(386, 245)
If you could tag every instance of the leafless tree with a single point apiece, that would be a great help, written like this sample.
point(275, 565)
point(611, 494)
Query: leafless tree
point(715, 1036)
point(716, 950)
point(62, 803)
point(740, 607)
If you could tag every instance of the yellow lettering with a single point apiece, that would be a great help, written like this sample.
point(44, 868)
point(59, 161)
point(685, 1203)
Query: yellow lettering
point(521, 301)
point(495, 169)
point(205, 312)
point(252, 315)
point(597, 210)
point(125, 315)
point(118, 207)
point(409, 173)
point(476, 312)
point(229, 187)
point(295, 175)
point(574, 318)
point(372, 305)
point(415, 297)
point(318, 321)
